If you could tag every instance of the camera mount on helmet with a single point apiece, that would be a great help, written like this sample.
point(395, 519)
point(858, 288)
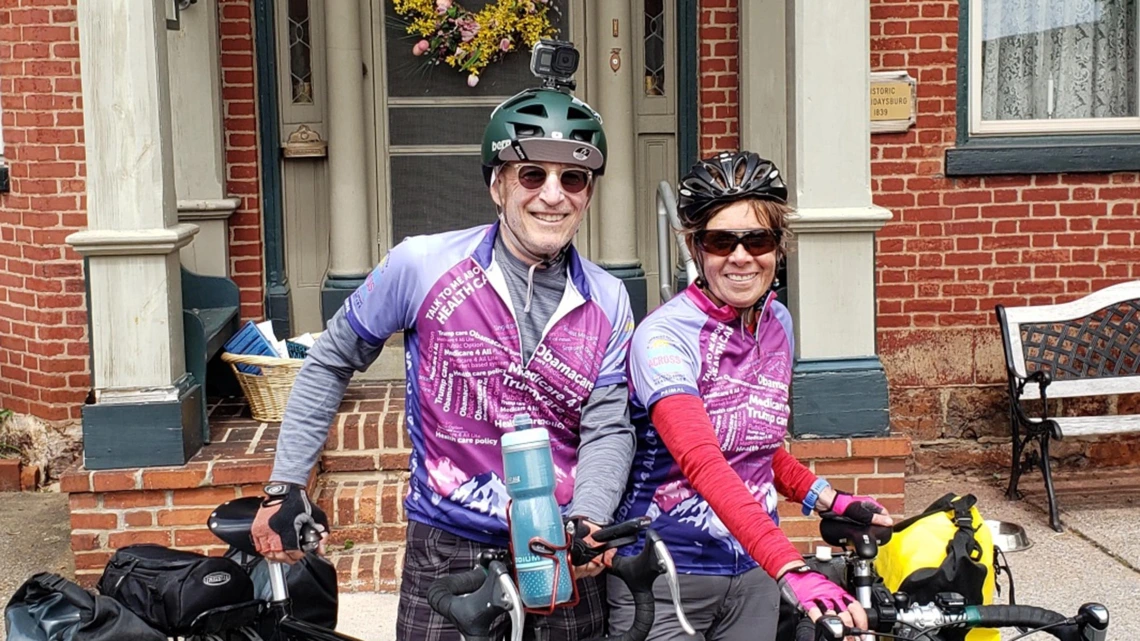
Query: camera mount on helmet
point(555, 62)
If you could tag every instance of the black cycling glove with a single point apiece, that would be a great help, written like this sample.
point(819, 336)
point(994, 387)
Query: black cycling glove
point(285, 509)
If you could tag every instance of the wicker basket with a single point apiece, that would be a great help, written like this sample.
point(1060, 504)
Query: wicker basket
point(268, 392)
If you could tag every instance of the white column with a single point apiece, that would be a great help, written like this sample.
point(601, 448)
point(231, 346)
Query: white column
point(350, 254)
point(133, 234)
point(197, 137)
point(612, 97)
point(612, 84)
point(805, 103)
point(829, 169)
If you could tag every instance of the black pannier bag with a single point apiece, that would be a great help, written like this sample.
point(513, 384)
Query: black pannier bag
point(48, 607)
point(169, 588)
point(312, 585)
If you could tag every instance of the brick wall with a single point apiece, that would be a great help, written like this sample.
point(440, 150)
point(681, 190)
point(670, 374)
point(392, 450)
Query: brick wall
point(43, 319)
point(718, 94)
point(958, 246)
point(243, 178)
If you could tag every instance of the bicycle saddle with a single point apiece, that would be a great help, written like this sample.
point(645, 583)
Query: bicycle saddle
point(232, 521)
point(841, 531)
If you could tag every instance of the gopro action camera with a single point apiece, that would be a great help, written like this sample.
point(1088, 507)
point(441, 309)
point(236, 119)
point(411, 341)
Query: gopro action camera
point(555, 62)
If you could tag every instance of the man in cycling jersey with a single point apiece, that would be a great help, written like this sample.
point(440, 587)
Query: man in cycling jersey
point(498, 320)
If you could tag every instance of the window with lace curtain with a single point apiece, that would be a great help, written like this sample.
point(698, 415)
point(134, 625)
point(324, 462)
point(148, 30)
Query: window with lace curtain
point(1034, 74)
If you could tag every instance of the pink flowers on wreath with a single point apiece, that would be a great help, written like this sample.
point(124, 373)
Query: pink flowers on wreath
point(441, 6)
point(505, 44)
point(421, 47)
point(472, 80)
point(467, 28)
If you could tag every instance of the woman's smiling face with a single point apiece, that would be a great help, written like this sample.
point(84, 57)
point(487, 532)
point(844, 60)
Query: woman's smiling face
point(739, 279)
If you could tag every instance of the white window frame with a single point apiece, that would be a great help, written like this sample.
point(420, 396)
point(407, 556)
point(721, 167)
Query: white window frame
point(981, 128)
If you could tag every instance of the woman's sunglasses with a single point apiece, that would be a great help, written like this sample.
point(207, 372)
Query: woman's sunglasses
point(722, 242)
point(534, 177)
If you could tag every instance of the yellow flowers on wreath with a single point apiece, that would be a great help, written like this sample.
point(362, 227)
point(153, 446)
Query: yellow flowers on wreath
point(470, 41)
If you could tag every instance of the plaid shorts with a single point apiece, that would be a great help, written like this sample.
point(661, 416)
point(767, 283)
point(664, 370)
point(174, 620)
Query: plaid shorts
point(432, 553)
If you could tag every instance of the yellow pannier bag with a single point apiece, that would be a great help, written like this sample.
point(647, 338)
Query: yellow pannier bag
point(947, 548)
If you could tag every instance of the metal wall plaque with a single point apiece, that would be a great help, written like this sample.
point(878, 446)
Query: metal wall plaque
point(893, 101)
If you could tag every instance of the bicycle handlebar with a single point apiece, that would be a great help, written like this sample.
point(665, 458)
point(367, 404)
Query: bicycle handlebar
point(474, 599)
point(1090, 623)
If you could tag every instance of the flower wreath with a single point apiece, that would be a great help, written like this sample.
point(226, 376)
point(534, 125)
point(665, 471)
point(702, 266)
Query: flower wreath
point(470, 41)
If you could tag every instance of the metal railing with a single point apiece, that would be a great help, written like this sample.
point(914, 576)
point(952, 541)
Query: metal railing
point(667, 222)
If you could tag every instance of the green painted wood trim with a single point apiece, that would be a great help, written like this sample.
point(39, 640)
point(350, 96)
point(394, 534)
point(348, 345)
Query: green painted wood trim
point(133, 435)
point(688, 138)
point(272, 214)
point(839, 398)
point(1044, 155)
point(334, 291)
point(962, 136)
point(278, 306)
point(1018, 155)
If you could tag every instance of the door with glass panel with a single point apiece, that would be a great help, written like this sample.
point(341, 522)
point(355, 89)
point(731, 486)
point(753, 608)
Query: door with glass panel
point(429, 125)
point(655, 102)
point(303, 129)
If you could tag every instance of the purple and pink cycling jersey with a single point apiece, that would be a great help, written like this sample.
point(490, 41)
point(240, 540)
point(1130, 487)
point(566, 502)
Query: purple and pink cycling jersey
point(690, 346)
point(466, 378)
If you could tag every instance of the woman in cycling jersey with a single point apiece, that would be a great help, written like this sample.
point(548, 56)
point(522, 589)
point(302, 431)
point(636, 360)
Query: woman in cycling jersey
point(710, 372)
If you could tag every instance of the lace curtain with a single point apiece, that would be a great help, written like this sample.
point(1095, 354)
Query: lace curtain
point(1046, 59)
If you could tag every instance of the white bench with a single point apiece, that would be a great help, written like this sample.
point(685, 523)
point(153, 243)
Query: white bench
point(1087, 347)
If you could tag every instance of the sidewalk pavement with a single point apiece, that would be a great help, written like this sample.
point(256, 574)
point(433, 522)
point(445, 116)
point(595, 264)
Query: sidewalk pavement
point(1096, 558)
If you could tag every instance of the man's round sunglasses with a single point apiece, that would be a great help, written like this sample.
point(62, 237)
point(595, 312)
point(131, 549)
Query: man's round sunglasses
point(572, 180)
point(722, 242)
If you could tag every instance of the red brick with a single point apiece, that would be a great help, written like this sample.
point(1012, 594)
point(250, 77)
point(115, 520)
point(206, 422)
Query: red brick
point(147, 498)
point(108, 481)
point(116, 540)
point(73, 482)
point(898, 446)
point(82, 542)
point(809, 449)
point(87, 521)
point(189, 516)
point(874, 486)
point(160, 479)
point(237, 473)
point(138, 518)
point(92, 561)
point(188, 538)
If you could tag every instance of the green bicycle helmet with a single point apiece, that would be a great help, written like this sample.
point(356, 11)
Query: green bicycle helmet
point(544, 125)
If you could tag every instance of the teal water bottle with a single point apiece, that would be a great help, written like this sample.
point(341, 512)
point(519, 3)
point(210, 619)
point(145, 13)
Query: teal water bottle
point(528, 467)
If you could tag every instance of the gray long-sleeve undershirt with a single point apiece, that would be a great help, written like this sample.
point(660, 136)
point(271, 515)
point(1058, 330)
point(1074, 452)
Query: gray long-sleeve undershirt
point(607, 440)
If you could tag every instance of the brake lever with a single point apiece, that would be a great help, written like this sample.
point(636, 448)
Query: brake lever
point(609, 538)
point(667, 567)
point(507, 597)
point(1092, 622)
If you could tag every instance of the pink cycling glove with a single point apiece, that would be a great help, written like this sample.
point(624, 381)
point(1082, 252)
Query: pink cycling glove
point(856, 508)
point(807, 588)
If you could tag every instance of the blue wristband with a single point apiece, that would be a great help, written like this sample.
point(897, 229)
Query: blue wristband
point(813, 495)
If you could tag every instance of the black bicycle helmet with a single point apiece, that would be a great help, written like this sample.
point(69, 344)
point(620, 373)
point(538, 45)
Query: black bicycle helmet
point(713, 181)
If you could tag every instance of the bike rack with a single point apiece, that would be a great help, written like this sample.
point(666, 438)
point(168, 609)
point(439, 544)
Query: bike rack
point(667, 222)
